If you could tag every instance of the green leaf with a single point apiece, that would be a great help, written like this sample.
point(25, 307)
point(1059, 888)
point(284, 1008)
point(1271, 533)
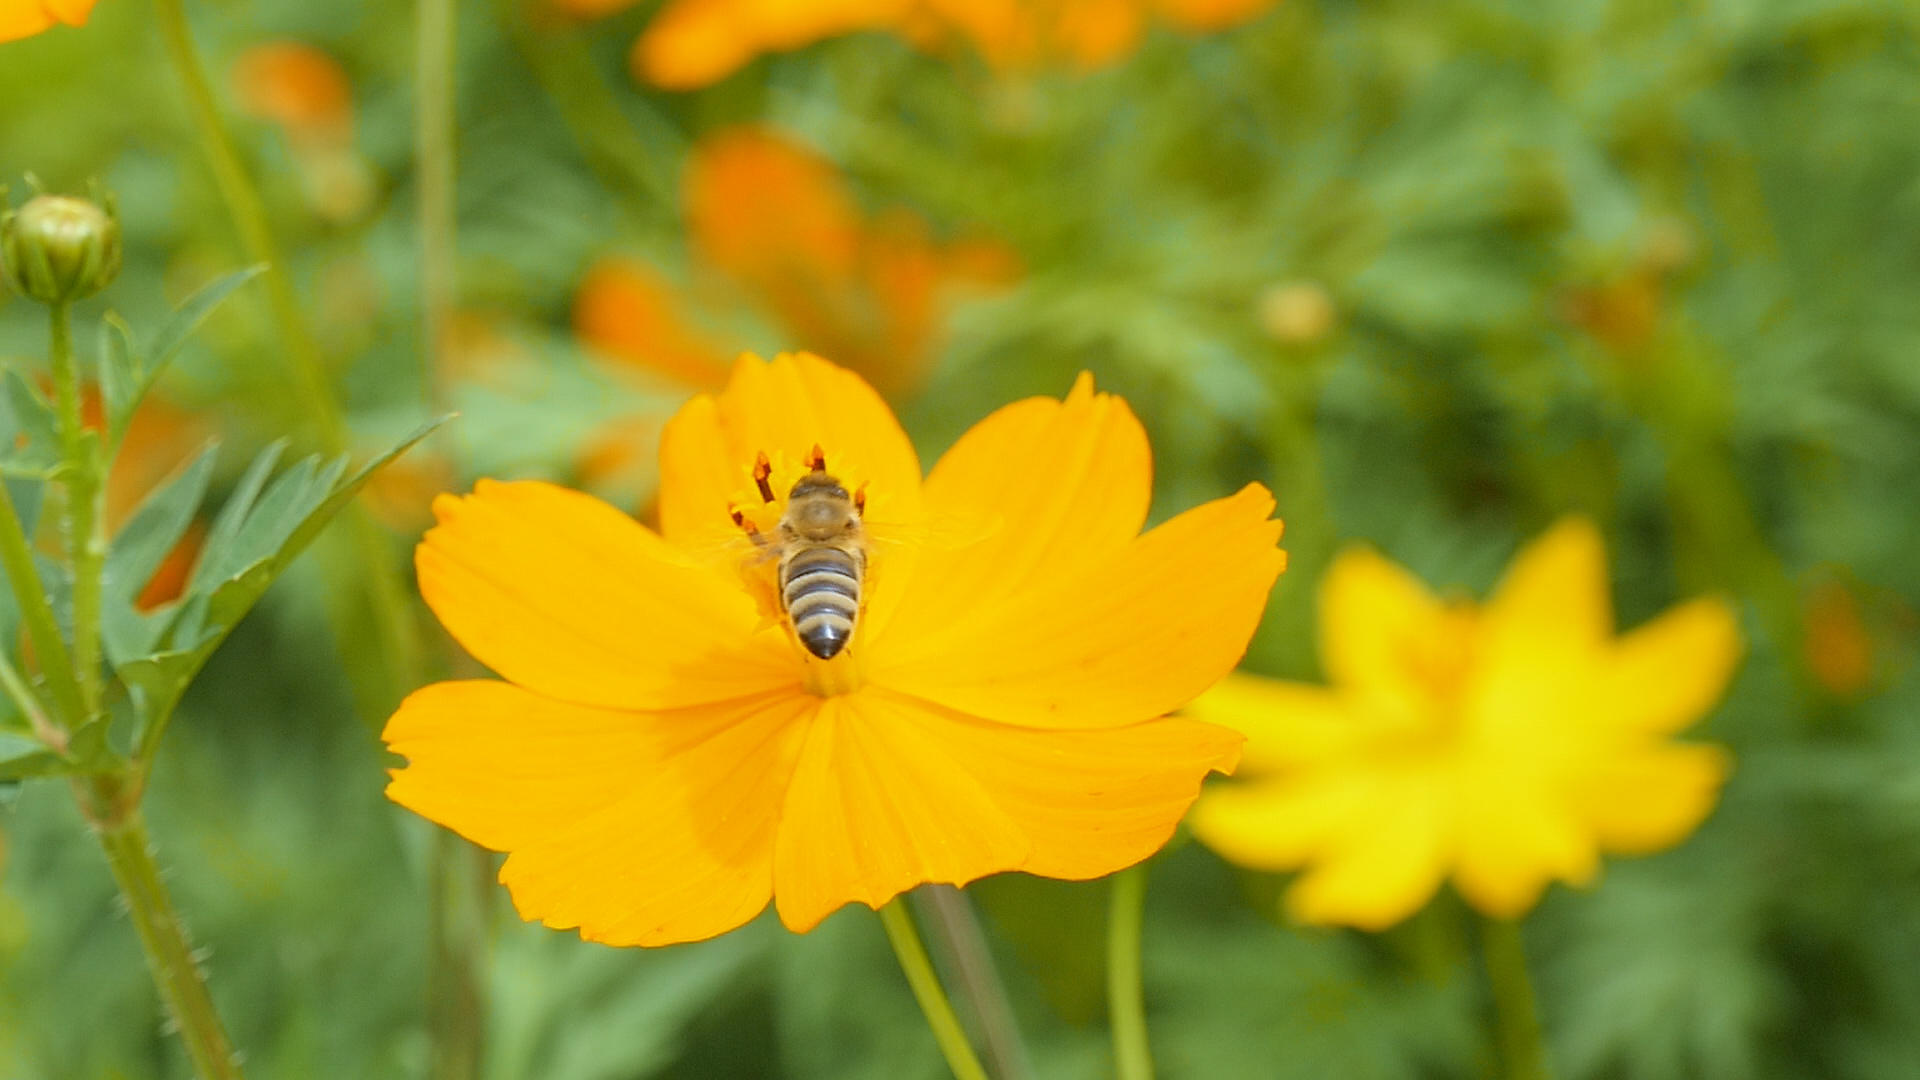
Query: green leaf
point(251, 543)
point(22, 758)
point(139, 549)
point(188, 316)
point(122, 376)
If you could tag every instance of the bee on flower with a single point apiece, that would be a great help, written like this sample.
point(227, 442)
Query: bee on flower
point(678, 739)
point(1503, 746)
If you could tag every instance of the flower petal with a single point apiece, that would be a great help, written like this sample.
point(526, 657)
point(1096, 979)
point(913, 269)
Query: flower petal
point(1092, 801)
point(1287, 724)
point(1126, 641)
point(785, 406)
point(639, 829)
point(1280, 824)
point(1053, 487)
point(1652, 798)
point(565, 595)
point(1667, 674)
point(876, 808)
point(23, 20)
point(1554, 595)
point(1373, 615)
point(1387, 866)
point(1514, 837)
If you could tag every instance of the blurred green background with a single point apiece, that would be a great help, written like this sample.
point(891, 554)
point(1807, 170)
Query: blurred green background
point(1435, 273)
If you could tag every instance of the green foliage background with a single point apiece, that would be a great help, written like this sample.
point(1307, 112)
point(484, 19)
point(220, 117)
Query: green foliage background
point(1466, 182)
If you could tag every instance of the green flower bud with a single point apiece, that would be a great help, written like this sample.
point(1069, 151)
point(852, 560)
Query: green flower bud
point(57, 249)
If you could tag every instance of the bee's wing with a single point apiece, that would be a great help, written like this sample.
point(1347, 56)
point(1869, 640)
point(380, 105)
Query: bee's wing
point(724, 547)
point(945, 531)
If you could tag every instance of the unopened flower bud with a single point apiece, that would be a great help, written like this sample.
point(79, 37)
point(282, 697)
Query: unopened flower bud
point(57, 249)
point(1296, 312)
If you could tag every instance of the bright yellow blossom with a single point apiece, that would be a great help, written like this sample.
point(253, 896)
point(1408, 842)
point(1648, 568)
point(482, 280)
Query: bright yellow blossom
point(25, 18)
point(1506, 745)
point(664, 758)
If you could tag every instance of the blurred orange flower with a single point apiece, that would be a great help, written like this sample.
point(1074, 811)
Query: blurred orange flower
point(694, 43)
point(665, 756)
point(1507, 745)
point(25, 18)
point(1839, 649)
point(776, 223)
point(306, 93)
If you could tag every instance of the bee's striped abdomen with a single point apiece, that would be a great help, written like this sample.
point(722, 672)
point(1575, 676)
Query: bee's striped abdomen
point(820, 587)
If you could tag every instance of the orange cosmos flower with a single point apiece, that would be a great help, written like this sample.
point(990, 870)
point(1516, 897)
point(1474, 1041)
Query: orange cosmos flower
point(1506, 745)
point(665, 756)
point(695, 43)
point(25, 18)
point(630, 312)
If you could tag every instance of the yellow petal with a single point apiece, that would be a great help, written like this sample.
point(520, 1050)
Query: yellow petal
point(1281, 824)
point(1392, 858)
point(71, 12)
point(1125, 641)
point(1051, 486)
point(1287, 724)
point(639, 829)
point(1373, 616)
point(1554, 595)
point(783, 407)
point(692, 43)
point(1092, 802)
point(876, 807)
point(1651, 798)
point(1514, 836)
point(1667, 674)
point(565, 595)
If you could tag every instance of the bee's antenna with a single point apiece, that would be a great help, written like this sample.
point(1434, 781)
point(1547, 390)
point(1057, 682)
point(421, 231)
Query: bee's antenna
point(762, 469)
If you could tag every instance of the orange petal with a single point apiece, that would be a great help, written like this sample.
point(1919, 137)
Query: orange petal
point(20, 20)
point(877, 807)
point(1092, 801)
point(1668, 673)
point(1287, 724)
point(1127, 639)
point(71, 12)
point(1052, 487)
point(692, 43)
point(1554, 595)
point(565, 595)
point(1652, 798)
point(630, 312)
point(783, 407)
point(639, 829)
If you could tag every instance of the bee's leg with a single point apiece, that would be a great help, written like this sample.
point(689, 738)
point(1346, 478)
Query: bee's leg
point(748, 527)
point(762, 471)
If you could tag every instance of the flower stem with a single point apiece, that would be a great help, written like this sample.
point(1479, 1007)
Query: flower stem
point(926, 989)
point(249, 215)
point(86, 542)
point(392, 622)
point(16, 559)
point(433, 147)
point(1516, 1016)
point(1126, 1007)
point(170, 956)
point(959, 939)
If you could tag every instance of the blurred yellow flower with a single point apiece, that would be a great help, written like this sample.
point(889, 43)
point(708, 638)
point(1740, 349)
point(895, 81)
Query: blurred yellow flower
point(25, 18)
point(665, 756)
point(694, 43)
point(1506, 745)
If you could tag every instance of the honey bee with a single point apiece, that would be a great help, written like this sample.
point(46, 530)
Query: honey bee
point(821, 545)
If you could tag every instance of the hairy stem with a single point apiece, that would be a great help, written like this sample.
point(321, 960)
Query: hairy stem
point(170, 956)
point(80, 475)
point(926, 989)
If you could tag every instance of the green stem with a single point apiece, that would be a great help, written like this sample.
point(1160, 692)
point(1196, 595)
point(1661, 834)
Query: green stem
point(399, 644)
point(1126, 1006)
point(434, 167)
point(926, 989)
point(250, 220)
point(959, 939)
point(1516, 1017)
point(462, 891)
point(86, 540)
point(22, 695)
point(170, 956)
point(16, 558)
